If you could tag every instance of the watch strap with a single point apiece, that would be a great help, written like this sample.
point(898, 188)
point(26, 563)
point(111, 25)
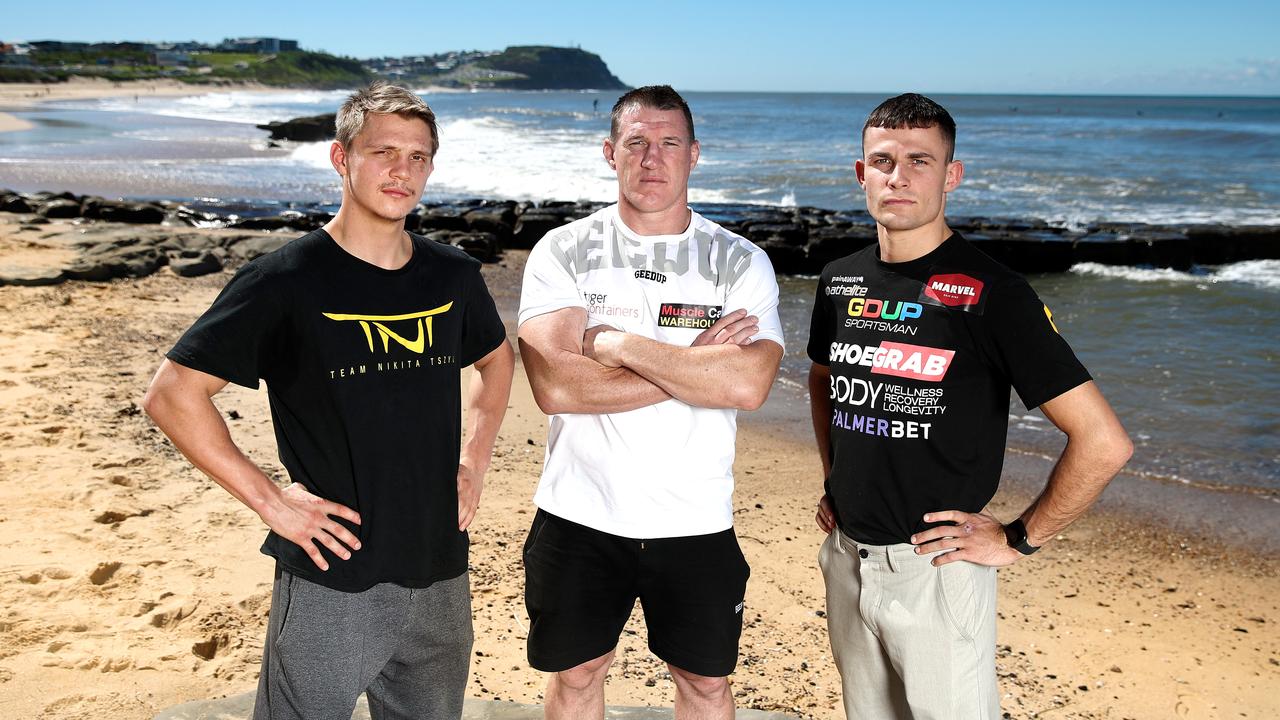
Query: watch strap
point(1015, 534)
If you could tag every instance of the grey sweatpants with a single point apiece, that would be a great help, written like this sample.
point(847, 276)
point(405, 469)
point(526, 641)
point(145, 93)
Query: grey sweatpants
point(409, 648)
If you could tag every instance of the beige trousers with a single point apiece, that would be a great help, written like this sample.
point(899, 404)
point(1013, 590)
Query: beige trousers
point(912, 641)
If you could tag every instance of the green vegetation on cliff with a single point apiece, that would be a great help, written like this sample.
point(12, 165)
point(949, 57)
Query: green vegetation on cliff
point(297, 68)
point(554, 68)
point(521, 67)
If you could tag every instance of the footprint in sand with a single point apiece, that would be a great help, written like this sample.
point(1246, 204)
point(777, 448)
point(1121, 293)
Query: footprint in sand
point(208, 649)
point(1189, 705)
point(173, 613)
point(55, 573)
point(104, 572)
point(110, 517)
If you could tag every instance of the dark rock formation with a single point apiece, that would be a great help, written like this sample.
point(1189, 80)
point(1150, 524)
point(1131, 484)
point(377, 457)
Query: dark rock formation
point(798, 240)
point(315, 128)
point(192, 263)
point(60, 208)
point(97, 208)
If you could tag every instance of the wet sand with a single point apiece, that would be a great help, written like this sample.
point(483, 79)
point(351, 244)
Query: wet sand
point(133, 583)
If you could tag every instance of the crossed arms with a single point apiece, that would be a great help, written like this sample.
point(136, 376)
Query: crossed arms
point(602, 370)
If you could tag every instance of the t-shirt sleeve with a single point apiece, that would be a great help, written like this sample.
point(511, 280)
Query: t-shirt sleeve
point(549, 281)
point(820, 329)
point(1026, 345)
point(233, 338)
point(482, 328)
point(756, 290)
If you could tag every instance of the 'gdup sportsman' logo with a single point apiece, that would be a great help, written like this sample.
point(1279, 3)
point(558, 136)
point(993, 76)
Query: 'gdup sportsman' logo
point(872, 308)
point(386, 334)
point(680, 315)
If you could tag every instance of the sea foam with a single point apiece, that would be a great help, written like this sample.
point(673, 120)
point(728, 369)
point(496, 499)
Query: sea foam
point(1260, 273)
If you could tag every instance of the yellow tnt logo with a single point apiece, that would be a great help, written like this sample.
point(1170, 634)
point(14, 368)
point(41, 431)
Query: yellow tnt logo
point(386, 334)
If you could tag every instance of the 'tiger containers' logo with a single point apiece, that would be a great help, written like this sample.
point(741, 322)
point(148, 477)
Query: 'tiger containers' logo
point(386, 334)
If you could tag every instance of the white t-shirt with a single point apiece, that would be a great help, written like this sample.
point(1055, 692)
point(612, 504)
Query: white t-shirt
point(665, 470)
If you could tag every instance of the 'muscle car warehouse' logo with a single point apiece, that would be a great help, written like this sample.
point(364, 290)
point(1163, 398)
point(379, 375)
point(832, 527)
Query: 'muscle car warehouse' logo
point(680, 315)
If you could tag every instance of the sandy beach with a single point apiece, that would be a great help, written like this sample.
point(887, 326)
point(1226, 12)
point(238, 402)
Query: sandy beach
point(24, 96)
point(133, 583)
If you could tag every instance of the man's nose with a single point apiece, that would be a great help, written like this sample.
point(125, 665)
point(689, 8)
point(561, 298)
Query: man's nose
point(650, 159)
point(898, 176)
point(400, 168)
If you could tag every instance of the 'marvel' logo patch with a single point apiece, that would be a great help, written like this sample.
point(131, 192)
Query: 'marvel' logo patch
point(954, 290)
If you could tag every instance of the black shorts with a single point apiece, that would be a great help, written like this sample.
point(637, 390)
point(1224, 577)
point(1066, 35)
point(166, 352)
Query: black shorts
point(581, 584)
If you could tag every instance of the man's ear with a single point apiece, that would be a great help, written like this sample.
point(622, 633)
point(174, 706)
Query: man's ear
point(860, 172)
point(608, 153)
point(696, 150)
point(338, 157)
point(955, 173)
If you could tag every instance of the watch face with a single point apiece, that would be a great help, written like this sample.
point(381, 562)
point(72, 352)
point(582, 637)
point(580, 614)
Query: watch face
point(1015, 534)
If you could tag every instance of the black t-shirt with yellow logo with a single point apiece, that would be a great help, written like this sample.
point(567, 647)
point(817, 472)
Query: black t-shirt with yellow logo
point(922, 355)
point(362, 369)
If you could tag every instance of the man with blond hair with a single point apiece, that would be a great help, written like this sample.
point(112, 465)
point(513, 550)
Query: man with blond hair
point(360, 330)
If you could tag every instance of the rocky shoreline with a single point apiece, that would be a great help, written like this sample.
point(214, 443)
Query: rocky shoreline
point(799, 240)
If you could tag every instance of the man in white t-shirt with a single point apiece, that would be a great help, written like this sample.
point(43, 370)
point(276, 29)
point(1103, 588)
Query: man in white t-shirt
point(644, 328)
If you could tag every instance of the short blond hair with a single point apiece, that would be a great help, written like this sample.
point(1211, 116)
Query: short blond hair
point(383, 98)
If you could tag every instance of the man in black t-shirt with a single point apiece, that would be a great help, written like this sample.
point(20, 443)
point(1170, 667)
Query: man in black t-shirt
point(360, 331)
point(915, 342)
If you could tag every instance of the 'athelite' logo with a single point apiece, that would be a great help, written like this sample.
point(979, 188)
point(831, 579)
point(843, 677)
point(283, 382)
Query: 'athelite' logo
point(681, 315)
point(382, 324)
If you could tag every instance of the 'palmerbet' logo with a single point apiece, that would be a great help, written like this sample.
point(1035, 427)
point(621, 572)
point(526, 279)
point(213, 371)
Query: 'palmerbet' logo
point(386, 334)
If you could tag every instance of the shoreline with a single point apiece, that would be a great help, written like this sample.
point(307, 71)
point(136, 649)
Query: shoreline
point(27, 96)
point(136, 584)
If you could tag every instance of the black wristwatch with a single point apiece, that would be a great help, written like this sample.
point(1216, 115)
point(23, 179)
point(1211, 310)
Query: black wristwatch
point(1015, 533)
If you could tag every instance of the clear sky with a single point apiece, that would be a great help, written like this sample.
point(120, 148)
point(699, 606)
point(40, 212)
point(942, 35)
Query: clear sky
point(1219, 47)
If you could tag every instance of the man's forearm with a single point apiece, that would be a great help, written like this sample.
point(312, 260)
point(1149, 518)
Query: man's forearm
point(194, 425)
point(569, 382)
point(487, 397)
point(709, 376)
point(1097, 448)
point(1078, 478)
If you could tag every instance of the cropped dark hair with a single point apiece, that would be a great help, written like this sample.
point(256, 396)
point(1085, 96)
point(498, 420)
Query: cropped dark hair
point(657, 97)
point(911, 110)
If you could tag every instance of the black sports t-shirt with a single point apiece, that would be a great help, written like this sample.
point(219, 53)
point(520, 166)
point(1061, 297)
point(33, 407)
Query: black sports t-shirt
point(922, 355)
point(362, 370)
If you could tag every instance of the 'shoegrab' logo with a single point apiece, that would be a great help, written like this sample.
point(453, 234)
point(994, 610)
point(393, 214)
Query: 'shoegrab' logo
point(386, 334)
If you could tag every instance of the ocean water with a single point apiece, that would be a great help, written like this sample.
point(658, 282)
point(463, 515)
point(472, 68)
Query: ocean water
point(1190, 360)
point(1068, 160)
